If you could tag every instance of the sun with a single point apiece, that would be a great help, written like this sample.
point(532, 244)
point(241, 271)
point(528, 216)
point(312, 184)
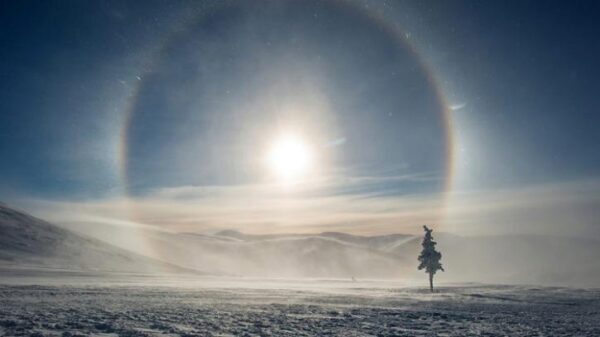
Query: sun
point(290, 158)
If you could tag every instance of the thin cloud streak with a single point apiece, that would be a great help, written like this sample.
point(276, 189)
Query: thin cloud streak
point(556, 209)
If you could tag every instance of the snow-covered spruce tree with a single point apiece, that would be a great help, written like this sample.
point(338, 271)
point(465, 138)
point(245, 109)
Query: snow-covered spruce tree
point(429, 257)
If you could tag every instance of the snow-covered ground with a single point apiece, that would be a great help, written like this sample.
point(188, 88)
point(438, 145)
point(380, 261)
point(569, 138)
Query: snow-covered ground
point(203, 306)
point(55, 282)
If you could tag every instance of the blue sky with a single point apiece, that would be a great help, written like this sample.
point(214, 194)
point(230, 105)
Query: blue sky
point(210, 84)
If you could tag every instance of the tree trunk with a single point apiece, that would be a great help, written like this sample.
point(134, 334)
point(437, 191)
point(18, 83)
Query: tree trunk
point(431, 282)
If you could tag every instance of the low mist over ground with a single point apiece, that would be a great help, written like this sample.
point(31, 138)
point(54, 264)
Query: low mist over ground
point(526, 259)
point(529, 259)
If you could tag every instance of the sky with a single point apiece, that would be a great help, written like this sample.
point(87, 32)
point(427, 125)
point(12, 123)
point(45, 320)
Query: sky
point(367, 117)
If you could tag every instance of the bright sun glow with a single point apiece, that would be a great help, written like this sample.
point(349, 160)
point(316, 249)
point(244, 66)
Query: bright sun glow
point(290, 158)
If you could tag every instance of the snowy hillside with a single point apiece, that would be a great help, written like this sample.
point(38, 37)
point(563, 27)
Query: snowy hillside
point(26, 241)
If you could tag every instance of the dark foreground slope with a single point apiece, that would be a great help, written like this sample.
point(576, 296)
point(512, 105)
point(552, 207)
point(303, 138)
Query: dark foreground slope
point(29, 242)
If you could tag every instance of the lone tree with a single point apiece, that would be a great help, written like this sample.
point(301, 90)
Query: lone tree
point(429, 257)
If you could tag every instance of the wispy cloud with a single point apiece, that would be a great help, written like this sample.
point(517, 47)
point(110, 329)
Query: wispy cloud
point(458, 106)
point(568, 208)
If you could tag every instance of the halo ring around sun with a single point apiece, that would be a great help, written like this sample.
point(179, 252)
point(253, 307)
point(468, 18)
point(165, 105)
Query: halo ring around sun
point(377, 18)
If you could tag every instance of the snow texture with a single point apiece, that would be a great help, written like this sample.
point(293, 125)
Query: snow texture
point(213, 307)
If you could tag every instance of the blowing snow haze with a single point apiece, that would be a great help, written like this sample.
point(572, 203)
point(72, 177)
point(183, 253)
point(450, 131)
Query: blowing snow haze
point(301, 139)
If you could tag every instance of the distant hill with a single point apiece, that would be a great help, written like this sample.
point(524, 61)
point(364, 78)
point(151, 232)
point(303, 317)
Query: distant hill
point(531, 259)
point(328, 255)
point(26, 241)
